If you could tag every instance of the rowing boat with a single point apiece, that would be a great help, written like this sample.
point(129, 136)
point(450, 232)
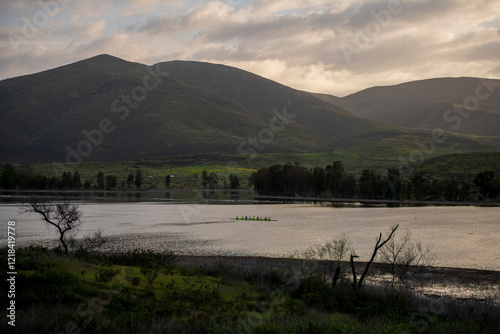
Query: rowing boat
point(256, 220)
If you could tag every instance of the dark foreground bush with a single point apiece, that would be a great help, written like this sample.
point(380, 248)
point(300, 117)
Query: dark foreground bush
point(60, 294)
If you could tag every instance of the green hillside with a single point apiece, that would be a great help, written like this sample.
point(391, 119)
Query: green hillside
point(463, 165)
point(263, 94)
point(108, 110)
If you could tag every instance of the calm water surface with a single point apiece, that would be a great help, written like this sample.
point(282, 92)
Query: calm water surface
point(466, 237)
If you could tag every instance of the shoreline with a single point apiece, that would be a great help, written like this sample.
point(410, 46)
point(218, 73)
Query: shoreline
point(250, 194)
point(432, 283)
point(251, 262)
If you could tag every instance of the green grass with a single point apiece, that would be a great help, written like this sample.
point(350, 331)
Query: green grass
point(463, 165)
point(60, 294)
point(379, 154)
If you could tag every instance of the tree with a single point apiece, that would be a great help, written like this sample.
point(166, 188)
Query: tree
point(77, 181)
point(484, 181)
point(370, 184)
point(111, 182)
point(318, 181)
point(437, 190)
point(393, 187)
point(350, 185)
point(130, 180)
point(87, 184)
point(63, 216)
point(9, 177)
point(336, 178)
point(495, 188)
point(332, 254)
point(100, 180)
point(356, 285)
point(67, 180)
point(205, 178)
point(138, 179)
point(451, 189)
point(405, 256)
point(420, 186)
point(234, 181)
point(464, 190)
point(213, 181)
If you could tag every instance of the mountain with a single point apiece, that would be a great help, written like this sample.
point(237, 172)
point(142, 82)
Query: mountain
point(49, 114)
point(106, 108)
point(263, 94)
point(461, 105)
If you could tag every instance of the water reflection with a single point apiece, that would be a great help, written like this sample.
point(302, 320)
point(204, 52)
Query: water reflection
point(472, 232)
point(185, 196)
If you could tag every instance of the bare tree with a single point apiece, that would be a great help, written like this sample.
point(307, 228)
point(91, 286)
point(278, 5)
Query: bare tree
point(332, 254)
point(405, 256)
point(63, 216)
point(358, 284)
point(395, 253)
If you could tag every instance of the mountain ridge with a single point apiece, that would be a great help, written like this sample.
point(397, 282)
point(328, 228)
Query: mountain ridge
point(464, 105)
point(105, 107)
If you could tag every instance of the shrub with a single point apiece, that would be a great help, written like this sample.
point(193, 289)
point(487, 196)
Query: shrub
point(106, 275)
point(145, 259)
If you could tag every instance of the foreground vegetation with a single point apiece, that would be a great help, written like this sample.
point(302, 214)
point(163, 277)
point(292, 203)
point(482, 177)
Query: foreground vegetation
point(146, 292)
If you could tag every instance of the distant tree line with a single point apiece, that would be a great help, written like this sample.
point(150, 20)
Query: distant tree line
point(24, 179)
point(211, 181)
point(12, 178)
point(296, 180)
point(288, 180)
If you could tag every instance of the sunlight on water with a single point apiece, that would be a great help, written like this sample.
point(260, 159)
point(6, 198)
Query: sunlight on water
point(467, 237)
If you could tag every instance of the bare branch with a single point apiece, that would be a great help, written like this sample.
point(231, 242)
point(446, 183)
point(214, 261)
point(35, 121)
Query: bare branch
point(354, 277)
point(378, 245)
point(406, 256)
point(63, 216)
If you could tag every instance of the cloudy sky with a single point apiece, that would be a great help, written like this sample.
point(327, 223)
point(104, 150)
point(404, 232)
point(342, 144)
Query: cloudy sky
point(335, 47)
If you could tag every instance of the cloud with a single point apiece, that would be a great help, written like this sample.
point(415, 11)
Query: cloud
point(300, 44)
point(83, 31)
point(263, 6)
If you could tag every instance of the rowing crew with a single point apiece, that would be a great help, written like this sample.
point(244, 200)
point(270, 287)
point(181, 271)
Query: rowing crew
point(254, 218)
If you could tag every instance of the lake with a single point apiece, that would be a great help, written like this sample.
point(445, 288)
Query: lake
point(467, 237)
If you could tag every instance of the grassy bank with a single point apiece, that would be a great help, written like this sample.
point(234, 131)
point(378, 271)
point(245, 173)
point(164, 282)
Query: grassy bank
point(144, 292)
point(187, 170)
